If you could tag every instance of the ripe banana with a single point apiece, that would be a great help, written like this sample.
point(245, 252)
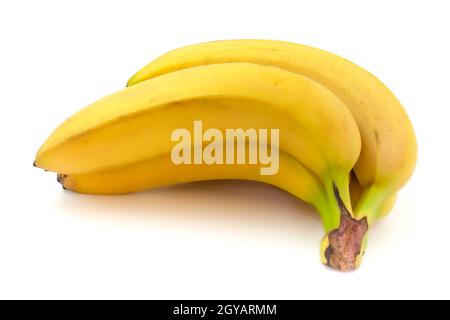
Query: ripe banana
point(388, 151)
point(160, 171)
point(157, 172)
point(121, 143)
point(135, 124)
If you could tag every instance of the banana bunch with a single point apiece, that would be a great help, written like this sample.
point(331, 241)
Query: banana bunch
point(346, 145)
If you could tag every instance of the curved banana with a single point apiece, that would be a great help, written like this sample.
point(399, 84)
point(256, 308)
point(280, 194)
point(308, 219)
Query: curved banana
point(157, 172)
point(292, 177)
point(135, 124)
point(160, 171)
point(389, 149)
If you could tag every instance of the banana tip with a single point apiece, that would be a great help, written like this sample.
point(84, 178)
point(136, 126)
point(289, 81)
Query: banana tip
point(61, 178)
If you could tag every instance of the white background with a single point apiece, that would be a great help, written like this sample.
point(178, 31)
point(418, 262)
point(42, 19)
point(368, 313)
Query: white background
point(209, 240)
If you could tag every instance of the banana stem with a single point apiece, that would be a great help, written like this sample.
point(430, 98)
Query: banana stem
point(343, 245)
point(371, 202)
point(328, 212)
point(337, 192)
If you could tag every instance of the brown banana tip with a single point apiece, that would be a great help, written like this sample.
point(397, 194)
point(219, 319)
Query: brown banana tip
point(61, 178)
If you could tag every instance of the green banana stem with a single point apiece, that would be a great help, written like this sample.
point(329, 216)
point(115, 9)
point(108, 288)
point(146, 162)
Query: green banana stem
point(329, 213)
point(337, 195)
point(371, 202)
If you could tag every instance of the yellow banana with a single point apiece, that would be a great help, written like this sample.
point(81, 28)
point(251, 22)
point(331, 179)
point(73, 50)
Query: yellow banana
point(292, 177)
point(160, 171)
point(135, 125)
point(389, 149)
